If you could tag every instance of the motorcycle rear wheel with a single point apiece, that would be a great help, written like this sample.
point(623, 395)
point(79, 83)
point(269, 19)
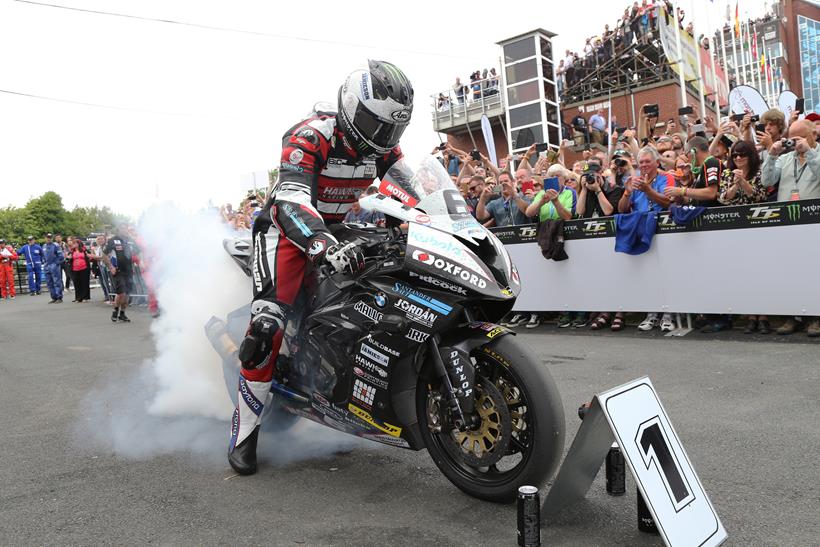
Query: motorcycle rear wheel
point(529, 431)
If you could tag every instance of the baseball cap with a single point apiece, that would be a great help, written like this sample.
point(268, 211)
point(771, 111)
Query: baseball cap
point(621, 153)
point(813, 117)
point(2, 240)
point(49, 235)
point(29, 238)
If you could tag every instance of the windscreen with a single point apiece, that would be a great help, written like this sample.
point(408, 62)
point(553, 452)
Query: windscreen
point(429, 188)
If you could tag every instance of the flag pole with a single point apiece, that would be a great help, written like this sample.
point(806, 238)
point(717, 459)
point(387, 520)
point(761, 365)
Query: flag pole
point(735, 32)
point(681, 69)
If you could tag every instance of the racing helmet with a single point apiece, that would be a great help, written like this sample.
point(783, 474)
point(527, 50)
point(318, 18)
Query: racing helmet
point(375, 105)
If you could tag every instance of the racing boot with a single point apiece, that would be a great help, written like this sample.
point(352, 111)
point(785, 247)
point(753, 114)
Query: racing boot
point(245, 425)
point(257, 355)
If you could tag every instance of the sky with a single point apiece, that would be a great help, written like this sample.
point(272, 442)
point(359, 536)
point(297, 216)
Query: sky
point(184, 111)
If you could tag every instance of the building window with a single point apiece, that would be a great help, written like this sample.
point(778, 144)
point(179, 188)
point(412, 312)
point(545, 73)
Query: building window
point(549, 91)
point(519, 50)
point(525, 115)
point(552, 113)
point(552, 132)
point(522, 93)
point(520, 72)
point(546, 48)
point(808, 31)
point(527, 136)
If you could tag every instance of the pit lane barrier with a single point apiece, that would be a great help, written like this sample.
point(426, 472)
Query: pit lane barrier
point(745, 259)
point(632, 415)
point(138, 294)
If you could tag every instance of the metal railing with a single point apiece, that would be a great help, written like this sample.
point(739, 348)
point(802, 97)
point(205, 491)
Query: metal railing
point(479, 97)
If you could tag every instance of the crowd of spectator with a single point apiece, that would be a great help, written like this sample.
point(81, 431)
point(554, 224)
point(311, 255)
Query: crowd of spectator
point(483, 83)
point(741, 160)
point(241, 218)
point(68, 265)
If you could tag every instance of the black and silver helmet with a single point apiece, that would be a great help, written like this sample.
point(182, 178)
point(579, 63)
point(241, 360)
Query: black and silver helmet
point(375, 107)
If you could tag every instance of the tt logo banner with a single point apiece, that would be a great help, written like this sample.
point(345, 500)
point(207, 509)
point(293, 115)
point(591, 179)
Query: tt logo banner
point(527, 232)
point(594, 226)
point(764, 213)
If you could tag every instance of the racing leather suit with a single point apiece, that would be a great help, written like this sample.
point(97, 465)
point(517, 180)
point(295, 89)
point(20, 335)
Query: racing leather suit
point(7, 271)
point(320, 175)
point(33, 254)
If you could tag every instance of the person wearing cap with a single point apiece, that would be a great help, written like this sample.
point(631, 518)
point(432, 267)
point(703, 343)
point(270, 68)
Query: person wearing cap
point(8, 257)
point(53, 258)
point(814, 118)
point(33, 254)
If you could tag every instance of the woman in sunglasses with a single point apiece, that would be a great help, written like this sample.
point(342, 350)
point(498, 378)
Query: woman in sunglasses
point(740, 183)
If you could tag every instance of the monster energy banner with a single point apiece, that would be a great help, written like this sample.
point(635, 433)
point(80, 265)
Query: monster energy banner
point(714, 218)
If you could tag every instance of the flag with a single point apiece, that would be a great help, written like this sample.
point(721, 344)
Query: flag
point(754, 45)
point(737, 20)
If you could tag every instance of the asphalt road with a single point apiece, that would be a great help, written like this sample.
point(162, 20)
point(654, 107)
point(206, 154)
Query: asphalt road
point(746, 411)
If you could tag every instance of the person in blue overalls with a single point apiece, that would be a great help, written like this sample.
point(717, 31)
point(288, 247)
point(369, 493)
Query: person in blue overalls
point(34, 264)
point(53, 257)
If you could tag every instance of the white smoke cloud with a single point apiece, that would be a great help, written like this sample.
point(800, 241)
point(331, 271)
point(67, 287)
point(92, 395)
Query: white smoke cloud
point(178, 401)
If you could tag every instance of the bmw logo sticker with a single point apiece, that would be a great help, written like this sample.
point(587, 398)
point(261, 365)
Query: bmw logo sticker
point(380, 300)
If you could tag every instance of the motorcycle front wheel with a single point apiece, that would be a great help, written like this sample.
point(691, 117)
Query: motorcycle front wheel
point(520, 437)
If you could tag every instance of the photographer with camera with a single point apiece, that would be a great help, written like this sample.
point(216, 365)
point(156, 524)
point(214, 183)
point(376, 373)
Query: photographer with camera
point(599, 195)
point(794, 163)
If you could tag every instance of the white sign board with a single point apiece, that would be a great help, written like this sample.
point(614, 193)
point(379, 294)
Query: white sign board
point(633, 416)
point(674, 495)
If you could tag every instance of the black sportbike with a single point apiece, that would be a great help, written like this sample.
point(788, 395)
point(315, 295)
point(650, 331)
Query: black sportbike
point(408, 352)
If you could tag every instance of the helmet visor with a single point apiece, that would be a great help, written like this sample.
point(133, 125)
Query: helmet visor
point(381, 133)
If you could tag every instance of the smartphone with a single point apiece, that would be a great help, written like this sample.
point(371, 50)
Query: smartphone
point(651, 110)
point(738, 117)
point(685, 110)
point(698, 128)
point(551, 183)
point(760, 127)
point(476, 155)
point(442, 146)
point(527, 185)
point(620, 130)
point(542, 147)
point(497, 189)
point(799, 104)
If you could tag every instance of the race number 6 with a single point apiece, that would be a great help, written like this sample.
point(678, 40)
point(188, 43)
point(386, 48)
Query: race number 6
point(653, 445)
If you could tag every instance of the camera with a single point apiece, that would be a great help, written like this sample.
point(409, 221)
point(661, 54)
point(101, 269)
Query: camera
point(685, 110)
point(788, 145)
point(590, 170)
point(442, 146)
point(651, 110)
point(476, 155)
point(620, 162)
point(541, 147)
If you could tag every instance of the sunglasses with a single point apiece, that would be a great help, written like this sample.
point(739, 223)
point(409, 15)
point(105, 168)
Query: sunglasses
point(472, 188)
point(738, 155)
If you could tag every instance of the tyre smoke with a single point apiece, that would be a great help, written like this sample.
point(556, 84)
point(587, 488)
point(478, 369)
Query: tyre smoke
point(178, 401)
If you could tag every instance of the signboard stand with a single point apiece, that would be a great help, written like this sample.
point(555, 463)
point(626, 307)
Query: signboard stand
point(681, 330)
point(632, 416)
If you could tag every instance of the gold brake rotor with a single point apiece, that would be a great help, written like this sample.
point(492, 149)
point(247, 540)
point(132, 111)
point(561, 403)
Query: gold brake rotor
point(481, 441)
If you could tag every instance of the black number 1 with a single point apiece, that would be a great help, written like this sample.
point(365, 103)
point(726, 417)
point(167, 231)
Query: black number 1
point(654, 446)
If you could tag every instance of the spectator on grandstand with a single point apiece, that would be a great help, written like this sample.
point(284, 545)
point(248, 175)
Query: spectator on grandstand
point(646, 191)
point(579, 127)
point(560, 77)
point(358, 215)
point(797, 171)
point(459, 90)
point(507, 211)
point(597, 127)
point(774, 128)
point(443, 102)
point(706, 171)
point(740, 182)
point(551, 204)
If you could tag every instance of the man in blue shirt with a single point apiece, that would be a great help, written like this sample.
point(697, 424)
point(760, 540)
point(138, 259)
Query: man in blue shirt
point(53, 258)
point(644, 192)
point(506, 211)
point(34, 264)
point(597, 125)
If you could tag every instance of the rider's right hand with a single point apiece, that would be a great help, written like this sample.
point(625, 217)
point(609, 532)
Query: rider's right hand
point(345, 257)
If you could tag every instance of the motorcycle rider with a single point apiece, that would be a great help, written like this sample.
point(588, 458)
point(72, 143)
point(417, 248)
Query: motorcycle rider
point(33, 254)
point(327, 160)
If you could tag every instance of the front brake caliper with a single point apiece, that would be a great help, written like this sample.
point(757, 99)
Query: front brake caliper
point(461, 371)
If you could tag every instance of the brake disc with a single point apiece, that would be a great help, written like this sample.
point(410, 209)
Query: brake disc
point(488, 442)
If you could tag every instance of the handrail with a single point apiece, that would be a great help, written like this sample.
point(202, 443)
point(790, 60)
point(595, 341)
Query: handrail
point(447, 108)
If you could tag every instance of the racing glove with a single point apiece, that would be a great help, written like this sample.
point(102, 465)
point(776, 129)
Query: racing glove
point(266, 319)
point(345, 257)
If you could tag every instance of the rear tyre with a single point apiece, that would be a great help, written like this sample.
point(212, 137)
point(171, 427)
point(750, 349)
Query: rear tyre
point(521, 436)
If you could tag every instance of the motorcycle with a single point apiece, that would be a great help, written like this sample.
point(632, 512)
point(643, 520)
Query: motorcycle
point(408, 352)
